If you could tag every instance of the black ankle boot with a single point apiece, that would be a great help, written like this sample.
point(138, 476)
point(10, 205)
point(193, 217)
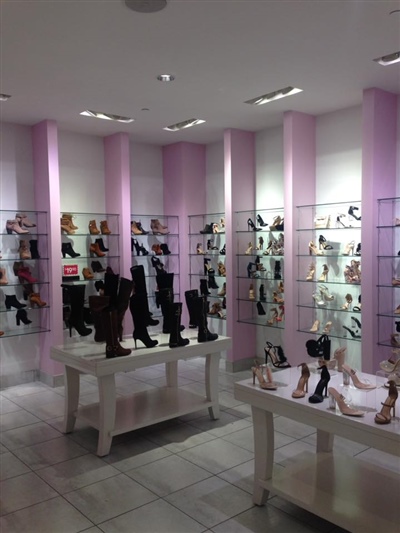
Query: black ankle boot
point(277, 272)
point(66, 248)
point(97, 266)
point(204, 288)
point(175, 338)
point(262, 293)
point(190, 297)
point(34, 249)
point(22, 316)
point(101, 245)
point(211, 282)
point(260, 309)
point(165, 249)
point(11, 301)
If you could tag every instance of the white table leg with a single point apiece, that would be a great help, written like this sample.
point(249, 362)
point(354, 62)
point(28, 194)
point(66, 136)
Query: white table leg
point(211, 378)
point(107, 413)
point(263, 427)
point(171, 372)
point(71, 376)
point(324, 441)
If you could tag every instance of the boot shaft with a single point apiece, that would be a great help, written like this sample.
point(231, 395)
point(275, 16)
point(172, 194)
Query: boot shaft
point(189, 298)
point(175, 338)
point(111, 288)
point(165, 281)
point(33, 244)
point(204, 287)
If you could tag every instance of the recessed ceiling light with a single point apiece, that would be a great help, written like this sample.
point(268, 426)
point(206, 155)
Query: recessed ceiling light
point(4, 97)
point(165, 77)
point(275, 95)
point(106, 116)
point(185, 124)
point(146, 6)
point(389, 59)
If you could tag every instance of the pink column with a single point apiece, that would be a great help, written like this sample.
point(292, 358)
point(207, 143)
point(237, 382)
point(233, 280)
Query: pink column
point(379, 136)
point(118, 192)
point(184, 171)
point(239, 170)
point(47, 198)
point(299, 175)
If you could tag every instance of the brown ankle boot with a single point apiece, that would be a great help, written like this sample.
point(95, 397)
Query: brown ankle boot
point(24, 251)
point(156, 248)
point(71, 223)
point(35, 299)
point(87, 273)
point(93, 228)
point(66, 225)
point(95, 249)
point(104, 228)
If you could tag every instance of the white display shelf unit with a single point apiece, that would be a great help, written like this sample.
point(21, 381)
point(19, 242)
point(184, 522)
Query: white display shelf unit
point(341, 230)
point(149, 242)
point(388, 273)
point(10, 240)
point(260, 241)
point(214, 224)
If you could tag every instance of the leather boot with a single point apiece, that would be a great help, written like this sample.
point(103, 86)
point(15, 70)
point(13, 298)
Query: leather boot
point(87, 273)
point(277, 271)
point(111, 282)
point(35, 299)
point(11, 301)
point(211, 282)
point(97, 266)
point(66, 249)
point(204, 335)
point(101, 245)
point(124, 294)
point(97, 305)
point(77, 300)
point(93, 228)
point(136, 304)
point(24, 252)
point(24, 275)
point(104, 227)
point(66, 225)
point(95, 249)
point(113, 347)
point(166, 299)
point(140, 290)
point(204, 288)
point(164, 248)
point(175, 338)
point(69, 217)
point(34, 249)
point(189, 297)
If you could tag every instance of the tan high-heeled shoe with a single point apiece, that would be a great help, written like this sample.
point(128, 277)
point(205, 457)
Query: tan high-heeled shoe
point(65, 224)
point(349, 248)
point(277, 299)
point(348, 302)
point(221, 269)
point(87, 273)
point(199, 249)
point(388, 405)
point(249, 249)
point(281, 316)
point(311, 272)
point(312, 249)
point(324, 274)
point(281, 287)
point(315, 327)
point(356, 382)
point(339, 355)
point(277, 221)
point(273, 316)
point(3, 277)
point(264, 384)
point(302, 386)
point(341, 403)
point(93, 228)
point(323, 289)
point(251, 292)
point(327, 328)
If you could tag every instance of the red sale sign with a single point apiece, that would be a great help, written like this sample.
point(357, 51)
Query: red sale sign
point(70, 270)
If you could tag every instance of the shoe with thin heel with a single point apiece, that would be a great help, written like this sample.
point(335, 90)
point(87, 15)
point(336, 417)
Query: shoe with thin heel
point(356, 382)
point(302, 386)
point(349, 248)
point(264, 384)
point(277, 356)
point(352, 333)
point(318, 396)
point(388, 405)
point(324, 274)
point(339, 355)
point(323, 244)
point(340, 400)
point(261, 221)
point(251, 226)
point(312, 249)
point(351, 210)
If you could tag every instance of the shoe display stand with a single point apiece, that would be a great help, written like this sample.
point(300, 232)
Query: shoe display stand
point(24, 273)
point(207, 252)
point(329, 270)
point(389, 273)
point(156, 247)
point(112, 416)
point(260, 252)
point(352, 493)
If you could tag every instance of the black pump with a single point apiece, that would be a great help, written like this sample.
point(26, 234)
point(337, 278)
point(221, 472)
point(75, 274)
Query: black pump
point(66, 249)
point(11, 301)
point(261, 221)
point(251, 226)
point(260, 309)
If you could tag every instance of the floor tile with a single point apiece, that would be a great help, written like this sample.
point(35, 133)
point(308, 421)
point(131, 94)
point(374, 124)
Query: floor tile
point(225, 424)
point(10, 466)
point(48, 411)
point(217, 455)
point(7, 406)
point(47, 517)
point(180, 437)
point(16, 419)
point(109, 498)
point(242, 476)
point(168, 475)
point(241, 411)
point(25, 389)
point(28, 435)
point(211, 501)
point(158, 516)
point(40, 398)
point(134, 454)
point(76, 473)
point(286, 454)
point(227, 400)
point(22, 491)
point(340, 445)
point(292, 428)
point(49, 452)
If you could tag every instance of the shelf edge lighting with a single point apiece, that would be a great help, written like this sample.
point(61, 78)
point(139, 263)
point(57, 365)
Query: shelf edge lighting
point(107, 116)
point(389, 59)
point(275, 95)
point(185, 124)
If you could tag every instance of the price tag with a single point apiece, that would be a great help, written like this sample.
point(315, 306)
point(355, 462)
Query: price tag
point(70, 270)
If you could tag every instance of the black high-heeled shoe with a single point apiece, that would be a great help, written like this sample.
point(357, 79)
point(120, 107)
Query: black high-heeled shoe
point(223, 250)
point(207, 267)
point(260, 309)
point(156, 263)
point(358, 249)
point(351, 210)
point(318, 396)
point(251, 226)
point(339, 222)
point(261, 221)
point(22, 316)
point(323, 245)
point(356, 321)
point(352, 333)
point(277, 356)
point(66, 249)
point(262, 296)
point(140, 249)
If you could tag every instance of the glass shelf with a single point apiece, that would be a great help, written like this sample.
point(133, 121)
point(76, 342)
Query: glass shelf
point(13, 310)
point(18, 259)
point(26, 236)
point(98, 236)
point(23, 330)
point(260, 322)
point(331, 334)
point(329, 282)
point(94, 258)
point(25, 284)
point(152, 235)
point(328, 309)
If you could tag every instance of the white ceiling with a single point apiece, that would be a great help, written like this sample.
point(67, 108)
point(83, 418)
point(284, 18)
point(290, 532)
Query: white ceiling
point(60, 57)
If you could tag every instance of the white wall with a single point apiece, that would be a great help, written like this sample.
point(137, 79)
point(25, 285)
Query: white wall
point(81, 160)
point(146, 179)
point(215, 196)
point(339, 156)
point(269, 169)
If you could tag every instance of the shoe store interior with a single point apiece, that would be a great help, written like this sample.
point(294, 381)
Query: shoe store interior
point(199, 266)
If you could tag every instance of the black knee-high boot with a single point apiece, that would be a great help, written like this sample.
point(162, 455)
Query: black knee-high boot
point(175, 338)
point(204, 335)
point(110, 324)
point(166, 300)
point(140, 290)
point(140, 320)
point(124, 293)
point(189, 297)
point(77, 299)
point(98, 304)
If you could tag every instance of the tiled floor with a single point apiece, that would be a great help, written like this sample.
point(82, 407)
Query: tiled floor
point(188, 475)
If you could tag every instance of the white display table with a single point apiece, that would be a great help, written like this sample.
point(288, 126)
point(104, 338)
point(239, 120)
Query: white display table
point(113, 416)
point(346, 491)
